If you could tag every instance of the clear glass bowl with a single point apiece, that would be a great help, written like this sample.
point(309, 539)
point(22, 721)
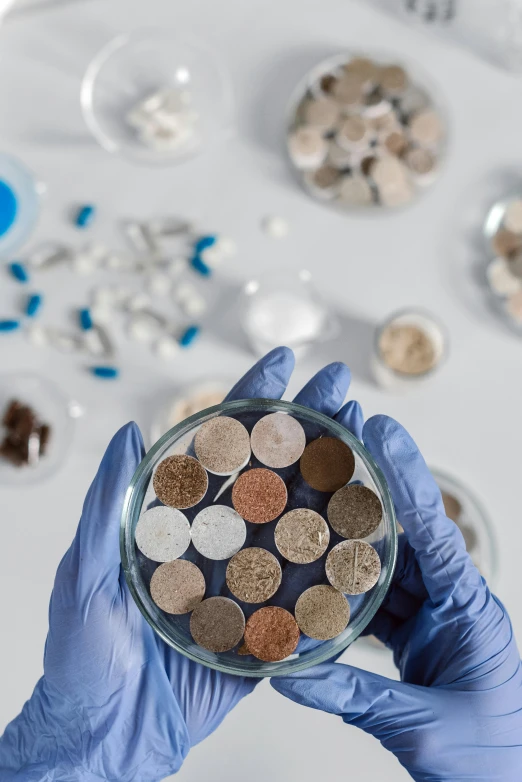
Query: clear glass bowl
point(174, 630)
point(20, 195)
point(52, 408)
point(132, 68)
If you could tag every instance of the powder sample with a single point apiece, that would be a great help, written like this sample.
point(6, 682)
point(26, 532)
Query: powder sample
point(278, 440)
point(217, 624)
point(354, 512)
point(163, 534)
point(253, 575)
point(271, 634)
point(302, 536)
point(452, 506)
point(26, 437)
point(259, 495)
point(218, 532)
point(353, 567)
point(327, 464)
point(407, 349)
point(222, 445)
point(322, 612)
point(177, 587)
point(513, 217)
point(180, 481)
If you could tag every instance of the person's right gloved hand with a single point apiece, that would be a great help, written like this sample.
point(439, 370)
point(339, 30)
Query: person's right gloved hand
point(457, 713)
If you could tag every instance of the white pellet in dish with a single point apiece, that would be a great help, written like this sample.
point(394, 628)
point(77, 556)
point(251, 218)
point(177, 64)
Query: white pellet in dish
point(275, 227)
point(218, 532)
point(64, 342)
point(501, 279)
point(163, 534)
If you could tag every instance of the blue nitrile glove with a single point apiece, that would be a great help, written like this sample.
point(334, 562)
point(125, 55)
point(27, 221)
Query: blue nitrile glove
point(457, 714)
point(115, 703)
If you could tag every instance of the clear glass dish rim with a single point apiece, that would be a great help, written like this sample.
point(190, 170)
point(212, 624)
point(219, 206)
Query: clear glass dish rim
point(135, 493)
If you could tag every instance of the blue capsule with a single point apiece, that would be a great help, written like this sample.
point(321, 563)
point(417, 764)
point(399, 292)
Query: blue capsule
point(188, 336)
point(85, 216)
point(85, 318)
point(200, 266)
point(9, 325)
point(34, 304)
point(19, 271)
point(204, 242)
point(107, 373)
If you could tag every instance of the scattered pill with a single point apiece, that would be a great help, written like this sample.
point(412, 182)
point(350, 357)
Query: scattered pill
point(144, 327)
point(19, 271)
point(188, 336)
point(84, 264)
point(85, 216)
point(166, 347)
point(97, 342)
point(227, 246)
point(163, 534)
point(34, 305)
point(199, 266)
point(159, 284)
point(85, 319)
point(275, 227)
point(9, 325)
point(49, 255)
point(101, 314)
point(106, 373)
point(37, 335)
point(64, 341)
point(139, 301)
point(194, 306)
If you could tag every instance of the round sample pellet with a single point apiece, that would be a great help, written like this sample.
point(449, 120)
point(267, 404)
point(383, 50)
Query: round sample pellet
point(426, 127)
point(218, 532)
point(513, 217)
point(348, 90)
point(259, 495)
point(222, 445)
point(407, 349)
point(353, 567)
point(271, 634)
point(506, 243)
point(177, 587)
point(302, 536)
point(324, 181)
point(180, 481)
point(163, 534)
point(421, 161)
point(355, 190)
point(253, 575)
point(354, 512)
point(393, 79)
point(278, 440)
point(322, 113)
point(501, 278)
point(327, 464)
point(396, 142)
point(515, 265)
point(217, 624)
point(354, 130)
point(307, 147)
point(365, 69)
point(322, 612)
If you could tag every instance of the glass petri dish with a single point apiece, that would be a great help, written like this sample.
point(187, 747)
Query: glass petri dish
point(133, 68)
point(174, 630)
point(378, 148)
point(52, 408)
point(20, 195)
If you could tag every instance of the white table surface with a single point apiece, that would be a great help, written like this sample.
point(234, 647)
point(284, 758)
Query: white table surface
point(467, 420)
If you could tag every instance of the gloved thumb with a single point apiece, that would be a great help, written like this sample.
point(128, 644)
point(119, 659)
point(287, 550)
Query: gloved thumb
point(378, 705)
point(93, 559)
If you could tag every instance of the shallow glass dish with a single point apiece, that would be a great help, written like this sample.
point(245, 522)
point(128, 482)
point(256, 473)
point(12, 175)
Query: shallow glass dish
point(174, 630)
point(20, 196)
point(132, 68)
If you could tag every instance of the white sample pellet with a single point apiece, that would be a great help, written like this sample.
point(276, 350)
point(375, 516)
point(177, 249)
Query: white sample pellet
point(163, 534)
point(501, 279)
point(218, 532)
point(37, 335)
point(275, 227)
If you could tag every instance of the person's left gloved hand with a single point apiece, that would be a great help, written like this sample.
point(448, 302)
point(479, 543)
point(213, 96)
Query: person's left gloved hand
point(115, 702)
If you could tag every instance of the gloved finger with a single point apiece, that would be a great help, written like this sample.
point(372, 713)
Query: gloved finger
point(93, 559)
point(267, 379)
point(383, 626)
point(400, 603)
point(447, 570)
point(327, 390)
point(351, 417)
point(372, 702)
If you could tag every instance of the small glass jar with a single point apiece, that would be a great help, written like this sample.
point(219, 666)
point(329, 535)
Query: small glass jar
point(502, 233)
point(285, 308)
point(409, 347)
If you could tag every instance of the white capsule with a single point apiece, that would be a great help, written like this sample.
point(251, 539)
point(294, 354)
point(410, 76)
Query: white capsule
point(84, 265)
point(137, 302)
point(176, 267)
point(143, 328)
point(166, 347)
point(159, 284)
point(101, 314)
point(37, 335)
point(275, 227)
point(194, 306)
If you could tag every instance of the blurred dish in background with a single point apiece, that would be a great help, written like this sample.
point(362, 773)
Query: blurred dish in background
point(503, 237)
point(186, 402)
point(20, 195)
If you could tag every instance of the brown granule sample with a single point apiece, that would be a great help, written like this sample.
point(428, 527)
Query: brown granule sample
point(354, 512)
point(253, 575)
point(180, 481)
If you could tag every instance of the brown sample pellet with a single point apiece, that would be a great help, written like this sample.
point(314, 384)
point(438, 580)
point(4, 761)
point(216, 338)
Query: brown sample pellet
point(180, 481)
point(302, 536)
point(278, 440)
point(452, 506)
point(222, 445)
point(353, 567)
point(253, 575)
point(271, 634)
point(259, 495)
point(177, 587)
point(393, 79)
point(217, 624)
point(322, 612)
point(327, 464)
point(354, 512)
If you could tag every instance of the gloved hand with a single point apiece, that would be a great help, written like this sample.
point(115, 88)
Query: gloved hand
point(457, 713)
point(115, 703)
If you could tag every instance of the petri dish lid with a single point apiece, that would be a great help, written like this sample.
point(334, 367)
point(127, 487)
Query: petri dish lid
point(19, 204)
